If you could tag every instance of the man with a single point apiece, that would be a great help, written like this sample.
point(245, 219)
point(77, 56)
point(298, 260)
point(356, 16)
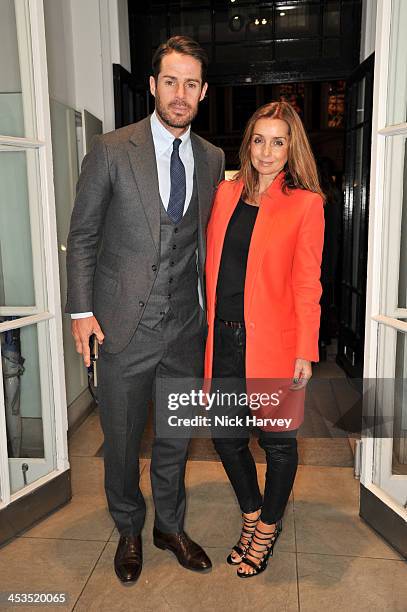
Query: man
point(136, 252)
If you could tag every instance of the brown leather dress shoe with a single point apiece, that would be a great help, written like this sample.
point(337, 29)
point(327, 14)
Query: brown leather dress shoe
point(188, 553)
point(128, 559)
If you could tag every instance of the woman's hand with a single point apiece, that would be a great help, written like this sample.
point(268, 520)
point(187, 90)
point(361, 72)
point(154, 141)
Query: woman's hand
point(302, 373)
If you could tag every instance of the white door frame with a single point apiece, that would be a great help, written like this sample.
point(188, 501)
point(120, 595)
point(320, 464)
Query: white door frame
point(34, 76)
point(375, 453)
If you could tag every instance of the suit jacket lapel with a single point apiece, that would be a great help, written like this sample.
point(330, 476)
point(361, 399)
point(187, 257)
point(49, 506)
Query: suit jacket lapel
point(204, 187)
point(144, 166)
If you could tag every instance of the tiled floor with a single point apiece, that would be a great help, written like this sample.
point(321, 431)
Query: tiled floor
point(326, 559)
point(332, 415)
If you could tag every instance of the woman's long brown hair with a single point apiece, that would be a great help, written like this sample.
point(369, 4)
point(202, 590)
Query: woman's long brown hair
point(300, 169)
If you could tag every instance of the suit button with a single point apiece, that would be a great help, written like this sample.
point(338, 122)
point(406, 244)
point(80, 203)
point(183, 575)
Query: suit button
point(176, 230)
point(174, 246)
point(172, 263)
point(170, 280)
point(251, 325)
point(169, 296)
point(141, 304)
point(154, 268)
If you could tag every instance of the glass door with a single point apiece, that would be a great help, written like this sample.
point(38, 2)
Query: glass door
point(32, 397)
point(359, 96)
point(384, 473)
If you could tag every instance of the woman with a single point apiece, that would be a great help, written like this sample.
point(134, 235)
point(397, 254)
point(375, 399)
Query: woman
point(264, 248)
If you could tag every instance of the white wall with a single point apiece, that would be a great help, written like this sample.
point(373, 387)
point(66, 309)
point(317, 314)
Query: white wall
point(87, 57)
point(124, 36)
point(115, 46)
point(84, 39)
point(58, 30)
point(368, 28)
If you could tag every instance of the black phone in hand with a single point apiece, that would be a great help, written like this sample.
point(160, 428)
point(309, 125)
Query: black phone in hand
point(94, 348)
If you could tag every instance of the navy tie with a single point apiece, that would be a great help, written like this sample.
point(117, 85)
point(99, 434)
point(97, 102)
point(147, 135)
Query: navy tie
point(178, 185)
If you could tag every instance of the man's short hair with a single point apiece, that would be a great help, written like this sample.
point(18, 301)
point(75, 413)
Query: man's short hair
point(184, 45)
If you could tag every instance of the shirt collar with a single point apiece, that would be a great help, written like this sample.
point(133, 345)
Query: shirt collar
point(163, 139)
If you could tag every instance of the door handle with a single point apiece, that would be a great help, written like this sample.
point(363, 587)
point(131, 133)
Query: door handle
point(24, 469)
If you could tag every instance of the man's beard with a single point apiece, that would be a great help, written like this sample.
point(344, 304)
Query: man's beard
point(171, 121)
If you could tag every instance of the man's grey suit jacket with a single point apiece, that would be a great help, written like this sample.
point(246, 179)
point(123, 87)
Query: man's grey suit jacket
point(113, 247)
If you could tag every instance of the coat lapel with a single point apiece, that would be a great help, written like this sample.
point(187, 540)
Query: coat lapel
point(144, 166)
point(261, 237)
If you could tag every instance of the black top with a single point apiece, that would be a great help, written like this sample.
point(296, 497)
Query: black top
point(232, 270)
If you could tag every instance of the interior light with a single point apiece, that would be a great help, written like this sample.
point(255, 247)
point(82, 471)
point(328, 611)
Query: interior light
point(282, 14)
point(256, 21)
point(264, 21)
point(236, 23)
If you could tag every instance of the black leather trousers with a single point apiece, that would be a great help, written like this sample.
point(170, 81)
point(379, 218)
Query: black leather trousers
point(280, 447)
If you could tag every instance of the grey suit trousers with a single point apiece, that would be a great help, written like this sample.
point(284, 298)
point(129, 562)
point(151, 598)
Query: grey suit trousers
point(126, 387)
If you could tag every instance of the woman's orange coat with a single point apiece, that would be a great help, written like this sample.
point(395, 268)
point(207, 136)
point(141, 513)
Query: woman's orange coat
point(282, 288)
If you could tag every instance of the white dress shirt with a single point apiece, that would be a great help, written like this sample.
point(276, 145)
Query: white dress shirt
point(163, 144)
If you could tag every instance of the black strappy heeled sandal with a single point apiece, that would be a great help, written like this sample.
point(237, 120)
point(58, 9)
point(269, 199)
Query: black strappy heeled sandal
point(267, 551)
point(248, 529)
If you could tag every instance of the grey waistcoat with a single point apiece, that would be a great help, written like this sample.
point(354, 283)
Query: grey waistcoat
point(176, 283)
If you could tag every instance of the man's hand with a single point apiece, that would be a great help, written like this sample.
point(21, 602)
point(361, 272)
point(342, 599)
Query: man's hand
point(302, 374)
point(82, 329)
